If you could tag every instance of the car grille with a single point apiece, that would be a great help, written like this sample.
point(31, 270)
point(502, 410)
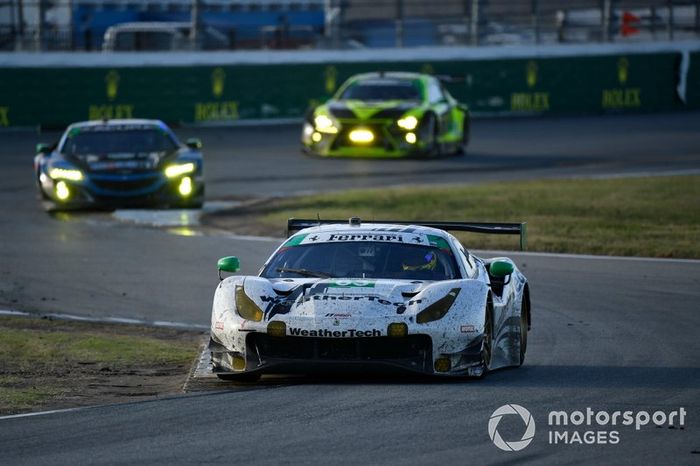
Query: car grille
point(125, 185)
point(380, 138)
point(415, 347)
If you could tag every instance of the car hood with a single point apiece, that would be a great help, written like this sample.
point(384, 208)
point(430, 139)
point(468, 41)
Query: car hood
point(364, 110)
point(122, 161)
point(343, 299)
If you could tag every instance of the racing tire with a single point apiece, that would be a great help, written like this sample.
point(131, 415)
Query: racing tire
point(433, 148)
point(462, 150)
point(487, 344)
point(524, 313)
point(245, 377)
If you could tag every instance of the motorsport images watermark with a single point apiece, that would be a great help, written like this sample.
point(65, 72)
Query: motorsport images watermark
point(586, 427)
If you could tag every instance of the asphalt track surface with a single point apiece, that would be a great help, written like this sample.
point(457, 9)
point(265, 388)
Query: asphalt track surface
point(610, 334)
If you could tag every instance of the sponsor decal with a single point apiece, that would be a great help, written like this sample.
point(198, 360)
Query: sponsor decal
point(4, 116)
point(366, 237)
point(219, 325)
point(467, 329)
point(371, 299)
point(327, 333)
point(351, 284)
point(622, 97)
point(338, 316)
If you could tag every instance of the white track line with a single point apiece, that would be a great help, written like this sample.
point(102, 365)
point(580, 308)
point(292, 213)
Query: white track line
point(39, 413)
point(106, 320)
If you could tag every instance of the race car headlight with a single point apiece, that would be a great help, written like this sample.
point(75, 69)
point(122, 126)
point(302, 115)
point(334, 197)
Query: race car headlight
point(175, 170)
point(408, 123)
point(325, 124)
point(439, 308)
point(246, 307)
point(361, 136)
point(66, 174)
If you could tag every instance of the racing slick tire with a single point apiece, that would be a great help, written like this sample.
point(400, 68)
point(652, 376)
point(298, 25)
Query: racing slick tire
point(487, 344)
point(524, 313)
point(433, 148)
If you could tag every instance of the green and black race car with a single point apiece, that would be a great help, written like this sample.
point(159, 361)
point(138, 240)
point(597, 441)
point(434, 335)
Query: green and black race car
point(388, 115)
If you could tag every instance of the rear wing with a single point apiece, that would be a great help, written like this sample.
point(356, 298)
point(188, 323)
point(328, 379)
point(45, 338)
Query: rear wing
point(296, 224)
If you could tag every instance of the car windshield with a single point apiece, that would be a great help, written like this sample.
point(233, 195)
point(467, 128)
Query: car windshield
point(363, 259)
point(113, 142)
point(382, 90)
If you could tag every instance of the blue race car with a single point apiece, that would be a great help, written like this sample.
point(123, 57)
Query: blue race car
point(120, 163)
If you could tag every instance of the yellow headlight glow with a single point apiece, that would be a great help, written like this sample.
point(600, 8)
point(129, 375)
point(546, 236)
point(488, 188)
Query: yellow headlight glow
point(173, 171)
point(62, 191)
point(411, 138)
point(361, 136)
point(246, 307)
point(325, 124)
point(185, 187)
point(65, 174)
point(316, 137)
point(408, 123)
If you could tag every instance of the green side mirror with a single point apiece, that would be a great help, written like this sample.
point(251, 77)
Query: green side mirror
point(228, 264)
point(43, 148)
point(501, 268)
point(194, 143)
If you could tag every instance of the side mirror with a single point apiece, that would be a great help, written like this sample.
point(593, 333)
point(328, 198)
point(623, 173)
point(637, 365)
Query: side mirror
point(500, 268)
point(43, 148)
point(194, 143)
point(228, 264)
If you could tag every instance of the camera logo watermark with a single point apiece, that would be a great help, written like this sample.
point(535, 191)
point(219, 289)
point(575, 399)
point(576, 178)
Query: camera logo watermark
point(581, 427)
point(528, 420)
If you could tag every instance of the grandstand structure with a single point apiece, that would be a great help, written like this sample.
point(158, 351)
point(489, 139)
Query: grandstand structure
point(286, 24)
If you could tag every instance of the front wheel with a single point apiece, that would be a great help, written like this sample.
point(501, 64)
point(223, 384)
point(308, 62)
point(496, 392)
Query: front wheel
point(431, 134)
point(524, 312)
point(487, 339)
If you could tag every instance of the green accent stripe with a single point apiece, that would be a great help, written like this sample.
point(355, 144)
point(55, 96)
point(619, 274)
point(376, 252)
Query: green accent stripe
point(295, 240)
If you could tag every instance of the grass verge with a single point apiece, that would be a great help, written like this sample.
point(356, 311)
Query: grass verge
point(652, 216)
point(49, 364)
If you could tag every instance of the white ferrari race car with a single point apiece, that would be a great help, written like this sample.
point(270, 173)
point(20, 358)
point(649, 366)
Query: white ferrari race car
point(342, 296)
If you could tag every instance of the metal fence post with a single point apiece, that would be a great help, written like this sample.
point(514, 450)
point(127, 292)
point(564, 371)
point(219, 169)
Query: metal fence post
point(399, 23)
point(606, 16)
point(474, 29)
point(536, 20)
point(196, 23)
point(41, 18)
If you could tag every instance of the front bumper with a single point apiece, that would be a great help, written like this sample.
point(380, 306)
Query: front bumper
point(389, 141)
point(114, 191)
point(414, 353)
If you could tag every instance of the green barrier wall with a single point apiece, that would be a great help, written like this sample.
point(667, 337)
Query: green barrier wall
point(206, 94)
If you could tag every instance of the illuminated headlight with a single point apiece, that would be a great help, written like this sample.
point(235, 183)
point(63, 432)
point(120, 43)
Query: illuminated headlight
point(246, 307)
point(439, 308)
point(185, 186)
point(325, 124)
point(411, 138)
point(65, 174)
point(173, 171)
point(408, 123)
point(62, 191)
point(361, 136)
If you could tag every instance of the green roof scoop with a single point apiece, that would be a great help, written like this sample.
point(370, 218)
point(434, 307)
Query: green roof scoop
point(229, 264)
